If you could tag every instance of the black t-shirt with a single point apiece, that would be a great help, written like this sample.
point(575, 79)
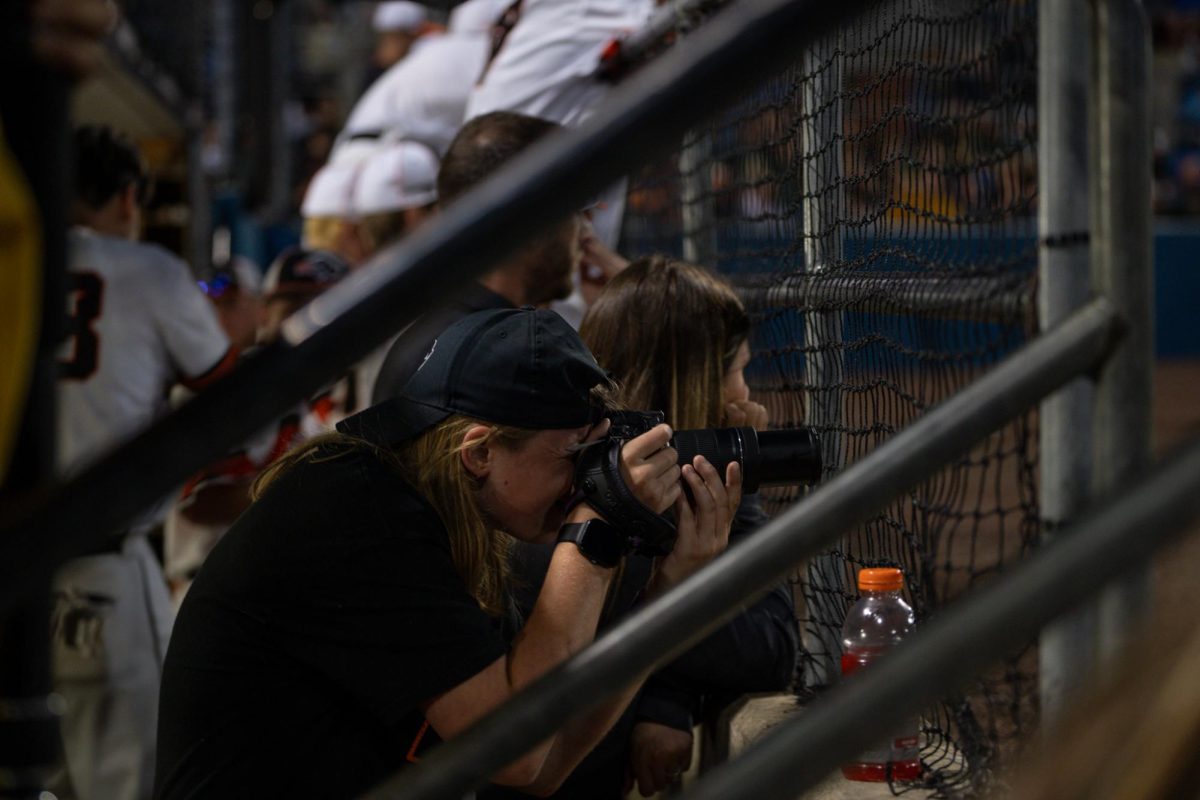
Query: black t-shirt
point(321, 621)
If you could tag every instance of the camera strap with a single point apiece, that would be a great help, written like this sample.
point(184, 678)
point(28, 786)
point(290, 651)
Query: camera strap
point(598, 478)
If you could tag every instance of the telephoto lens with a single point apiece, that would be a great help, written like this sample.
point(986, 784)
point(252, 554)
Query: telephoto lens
point(771, 458)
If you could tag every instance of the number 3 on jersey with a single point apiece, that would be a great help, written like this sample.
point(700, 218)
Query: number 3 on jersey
point(81, 350)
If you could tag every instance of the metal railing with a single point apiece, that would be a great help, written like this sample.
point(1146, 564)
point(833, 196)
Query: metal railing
point(712, 596)
point(1116, 538)
point(642, 119)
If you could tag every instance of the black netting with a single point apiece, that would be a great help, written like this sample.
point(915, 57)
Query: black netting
point(875, 203)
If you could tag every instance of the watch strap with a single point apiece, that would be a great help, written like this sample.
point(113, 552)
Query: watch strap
point(597, 540)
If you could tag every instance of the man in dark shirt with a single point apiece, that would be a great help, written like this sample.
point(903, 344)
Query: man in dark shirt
point(534, 275)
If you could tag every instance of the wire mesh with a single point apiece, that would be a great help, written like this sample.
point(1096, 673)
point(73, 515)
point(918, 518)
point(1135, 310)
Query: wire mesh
point(875, 203)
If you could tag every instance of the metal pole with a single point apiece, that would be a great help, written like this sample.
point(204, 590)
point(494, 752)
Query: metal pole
point(968, 637)
point(199, 197)
point(642, 119)
point(821, 146)
point(997, 300)
point(225, 34)
point(280, 34)
point(1122, 259)
point(33, 108)
point(1066, 649)
point(715, 594)
point(696, 200)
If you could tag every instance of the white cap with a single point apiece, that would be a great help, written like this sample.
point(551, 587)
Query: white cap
point(402, 175)
point(476, 16)
point(331, 190)
point(399, 15)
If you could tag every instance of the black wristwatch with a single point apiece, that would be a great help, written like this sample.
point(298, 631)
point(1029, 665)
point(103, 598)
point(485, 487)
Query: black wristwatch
point(600, 543)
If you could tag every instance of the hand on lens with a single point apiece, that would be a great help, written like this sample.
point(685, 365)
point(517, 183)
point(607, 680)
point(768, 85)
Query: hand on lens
point(651, 470)
point(746, 413)
point(658, 755)
point(703, 520)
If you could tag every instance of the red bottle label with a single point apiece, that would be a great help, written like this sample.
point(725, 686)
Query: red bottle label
point(897, 758)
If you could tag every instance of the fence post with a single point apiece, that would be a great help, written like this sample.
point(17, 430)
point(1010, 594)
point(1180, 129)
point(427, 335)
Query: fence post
point(1122, 264)
point(696, 200)
point(1067, 648)
point(822, 114)
point(36, 129)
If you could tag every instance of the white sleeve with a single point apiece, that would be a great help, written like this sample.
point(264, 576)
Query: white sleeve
point(188, 322)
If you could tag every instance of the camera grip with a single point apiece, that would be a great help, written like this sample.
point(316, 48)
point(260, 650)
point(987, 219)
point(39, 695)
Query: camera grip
point(598, 477)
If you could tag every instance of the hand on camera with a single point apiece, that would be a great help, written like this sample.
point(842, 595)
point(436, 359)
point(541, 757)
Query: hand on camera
point(650, 468)
point(703, 520)
point(746, 413)
point(659, 754)
point(599, 264)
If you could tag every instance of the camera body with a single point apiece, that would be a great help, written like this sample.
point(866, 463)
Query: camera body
point(769, 458)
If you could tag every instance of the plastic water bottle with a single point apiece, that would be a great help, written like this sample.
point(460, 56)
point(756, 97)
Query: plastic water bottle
point(876, 623)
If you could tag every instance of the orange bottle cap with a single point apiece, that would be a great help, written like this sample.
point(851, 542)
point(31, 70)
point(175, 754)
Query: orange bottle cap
point(880, 579)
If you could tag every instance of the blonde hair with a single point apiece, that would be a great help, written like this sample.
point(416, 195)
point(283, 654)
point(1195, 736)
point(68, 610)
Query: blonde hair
point(432, 464)
point(376, 231)
point(668, 331)
point(322, 233)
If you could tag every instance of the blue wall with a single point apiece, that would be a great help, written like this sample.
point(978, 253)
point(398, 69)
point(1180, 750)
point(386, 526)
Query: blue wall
point(1177, 289)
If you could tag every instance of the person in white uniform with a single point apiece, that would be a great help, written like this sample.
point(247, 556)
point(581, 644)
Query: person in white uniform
point(138, 323)
point(424, 97)
point(398, 25)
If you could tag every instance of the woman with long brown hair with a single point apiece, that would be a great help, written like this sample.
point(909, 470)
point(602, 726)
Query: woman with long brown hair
point(676, 339)
point(353, 615)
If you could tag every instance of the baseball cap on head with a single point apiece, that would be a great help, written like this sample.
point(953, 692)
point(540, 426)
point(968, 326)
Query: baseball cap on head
point(399, 16)
point(400, 175)
point(521, 367)
point(476, 16)
point(330, 193)
point(300, 271)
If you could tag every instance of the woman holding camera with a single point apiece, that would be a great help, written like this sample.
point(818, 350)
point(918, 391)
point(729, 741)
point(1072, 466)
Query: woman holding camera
point(676, 339)
point(352, 616)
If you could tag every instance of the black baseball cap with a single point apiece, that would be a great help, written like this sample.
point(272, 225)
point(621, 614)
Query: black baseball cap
point(523, 367)
point(303, 272)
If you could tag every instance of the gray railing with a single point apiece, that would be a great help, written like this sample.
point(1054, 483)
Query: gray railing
point(1117, 538)
point(714, 595)
point(643, 118)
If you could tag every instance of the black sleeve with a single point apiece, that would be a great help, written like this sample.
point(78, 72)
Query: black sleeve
point(754, 652)
point(667, 703)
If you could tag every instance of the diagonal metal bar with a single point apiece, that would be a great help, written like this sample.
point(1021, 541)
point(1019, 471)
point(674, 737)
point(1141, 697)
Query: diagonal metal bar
point(1000, 300)
point(1110, 541)
point(712, 596)
point(642, 119)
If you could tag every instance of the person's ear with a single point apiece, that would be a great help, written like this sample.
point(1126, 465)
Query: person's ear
point(476, 454)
